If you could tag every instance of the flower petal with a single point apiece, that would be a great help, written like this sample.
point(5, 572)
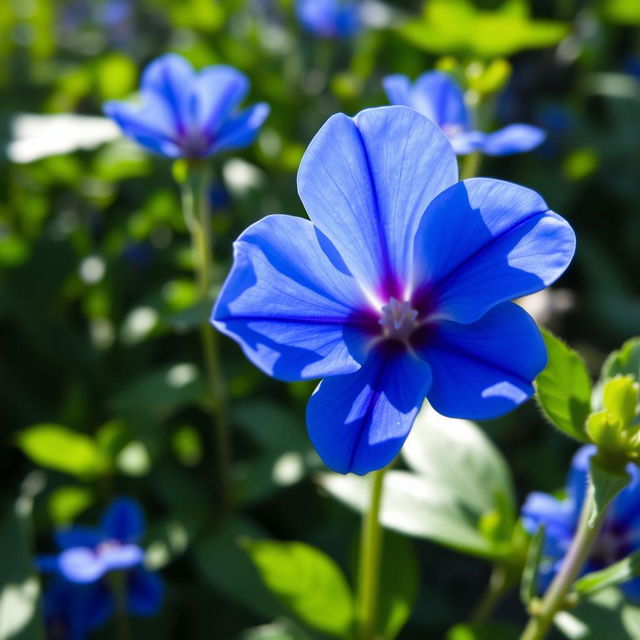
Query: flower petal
point(241, 130)
point(541, 509)
point(78, 536)
point(483, 242)
point(123, 556)
point(145, 591)
point(484, 369)
point(123, 520)
point(578, 478)
point(81, 565)
point(366, 182)
point(398, 89)
point(436, 96)
point(290, 302)
point(358, 422)
point(515, 138)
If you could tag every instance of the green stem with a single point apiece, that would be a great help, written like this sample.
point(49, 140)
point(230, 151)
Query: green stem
point(554, 599)
point(369, 568)
point(197, 216)
point(470, 165)
point(118, 585)
point(499, 584)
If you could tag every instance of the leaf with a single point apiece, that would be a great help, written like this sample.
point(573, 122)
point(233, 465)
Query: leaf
point(66, 502)
point(606, 485)
point(418, 506)
point(612, 576)
point(279, 630)
point(484, 631)
point(621, 11)
point(623, 362)
point(307, 581)
point(563, 389)
point(529, 584)
point(439, 448)
point(56, 447)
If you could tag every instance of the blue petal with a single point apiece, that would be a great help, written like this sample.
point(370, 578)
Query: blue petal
point(483, 242)
point(216, 92)
point(171, 77)
point(625, 509)
point(631, 590)
point(329, 18)
point(78, 536)
point(145, 591)
point(290, 302)
point(149, 124)
point(516, 138)
point(398, 89)
point(366, 182)
point(484, 369)
point(120, 557)
point(578, 478)
point(358, 422)
point(555, 515)
point(467, 141)
point(436, 96)
point(241, 130)
point(123, 520)
point(81, 565)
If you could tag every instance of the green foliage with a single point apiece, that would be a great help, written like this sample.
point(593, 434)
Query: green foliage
point(563, 389)
point(623, 362)
point(307, 581)
point(606, 483)
point(493, 630)
point(614, 575)
point(529, 584)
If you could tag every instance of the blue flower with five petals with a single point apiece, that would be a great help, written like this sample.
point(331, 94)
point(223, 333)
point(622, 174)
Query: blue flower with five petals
point(620, 534)
point(79, 598)
point(399, 287)
point(436, 96)
point(184, 114)
point(329, 18)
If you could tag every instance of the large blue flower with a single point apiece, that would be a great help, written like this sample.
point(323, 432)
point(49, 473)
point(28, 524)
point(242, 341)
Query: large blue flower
point(620, 535)
point(329, 18)
point(436, 96)
point(79, 598)
point(186, 114)
point(398, 288)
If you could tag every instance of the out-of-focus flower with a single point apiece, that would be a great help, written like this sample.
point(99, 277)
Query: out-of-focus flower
point(329, 18)
point(188, 114)
point(436, 96)
point(398, 288)
point(79, 598)
point(620, 535)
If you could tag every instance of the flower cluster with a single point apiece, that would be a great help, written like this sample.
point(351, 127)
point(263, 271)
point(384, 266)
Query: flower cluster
point(80, 597)
point(329, 18)
point(436, 96)
point(620, 534)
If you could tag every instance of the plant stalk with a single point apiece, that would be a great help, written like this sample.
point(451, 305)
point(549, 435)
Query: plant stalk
point(499, 584)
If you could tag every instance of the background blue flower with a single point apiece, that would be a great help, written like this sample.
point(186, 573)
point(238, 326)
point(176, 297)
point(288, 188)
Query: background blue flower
point(398, 288)
point(79, 599)
point(436, 96)
point(183, 113)
point(329, 18)
point(620, 535)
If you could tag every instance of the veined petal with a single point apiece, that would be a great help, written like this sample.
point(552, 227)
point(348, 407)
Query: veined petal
point(483, 242)
point(217, 90)
point(123, 520)
point(291, 303)
point(484, 369)
point(241, 130)
point(515, 138)
point(436, 96)
point(358, 422)
point(366, 182)
point(145, 591)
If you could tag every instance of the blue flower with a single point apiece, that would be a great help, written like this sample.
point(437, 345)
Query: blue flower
point(329, 18)
point(620, 535)
point(79, 598)
point(187, 114)
point(398, 288)
point(436, 96)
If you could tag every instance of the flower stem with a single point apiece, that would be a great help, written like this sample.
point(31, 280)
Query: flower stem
point(554, 599)
point(499, 584)
point(470, 165)
point(197, 216)
point(369, 567)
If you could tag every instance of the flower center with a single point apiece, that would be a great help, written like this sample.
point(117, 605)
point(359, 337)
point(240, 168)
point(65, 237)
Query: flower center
point(452, 130)
point(398, 319)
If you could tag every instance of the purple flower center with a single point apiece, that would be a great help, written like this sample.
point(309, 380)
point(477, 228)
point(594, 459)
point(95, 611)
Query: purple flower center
point(398, 319)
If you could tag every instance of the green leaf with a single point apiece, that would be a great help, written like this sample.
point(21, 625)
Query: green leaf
point(612, 576)
point(485, 631)
point(621, 11)
point(56, 447)
point(307, 581)
point(606, 485)
point(529, 584)
point(563, 389)
point(65, 503)
point(623, 362)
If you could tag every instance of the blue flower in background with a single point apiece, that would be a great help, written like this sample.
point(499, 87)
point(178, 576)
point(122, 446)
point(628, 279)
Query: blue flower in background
point(398, 288)
point(187, 114)
point(329, 18)
point(620, 535)
point(436, 96)
point(79, 598)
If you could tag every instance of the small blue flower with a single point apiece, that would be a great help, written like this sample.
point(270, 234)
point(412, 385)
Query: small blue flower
point(620, 535)
point(329, 18)
point(79, 598)
point(398, 288)
point(187, 114)
point(436, 96)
